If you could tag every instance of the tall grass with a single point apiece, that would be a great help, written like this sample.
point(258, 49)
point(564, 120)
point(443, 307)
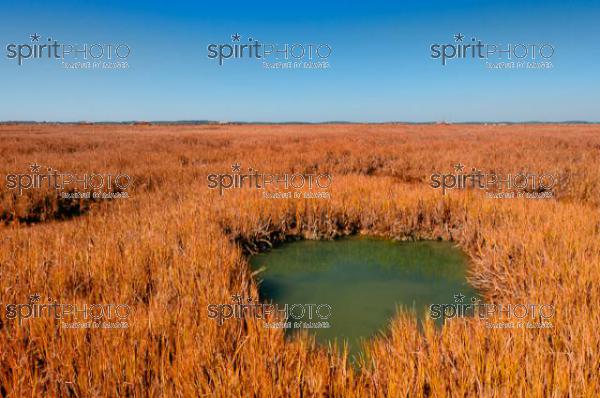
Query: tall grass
point(175, 246)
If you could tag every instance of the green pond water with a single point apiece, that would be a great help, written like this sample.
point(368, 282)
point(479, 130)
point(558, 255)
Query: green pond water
point(364, 281)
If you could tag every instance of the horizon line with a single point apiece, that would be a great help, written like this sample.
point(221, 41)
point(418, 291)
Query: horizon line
point(235, 122)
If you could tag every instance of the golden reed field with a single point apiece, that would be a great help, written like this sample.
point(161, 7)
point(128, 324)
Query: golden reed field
point(174, 246)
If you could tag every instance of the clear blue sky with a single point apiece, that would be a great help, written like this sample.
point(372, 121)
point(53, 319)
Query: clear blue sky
point(380, 68)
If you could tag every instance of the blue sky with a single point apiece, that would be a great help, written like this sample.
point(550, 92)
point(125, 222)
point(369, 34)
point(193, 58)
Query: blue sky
point(380, 66)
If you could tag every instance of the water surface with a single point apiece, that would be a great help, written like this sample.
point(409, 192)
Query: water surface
point(364, 280)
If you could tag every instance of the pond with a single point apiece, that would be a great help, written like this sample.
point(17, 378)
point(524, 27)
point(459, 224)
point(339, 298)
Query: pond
point(359, 283)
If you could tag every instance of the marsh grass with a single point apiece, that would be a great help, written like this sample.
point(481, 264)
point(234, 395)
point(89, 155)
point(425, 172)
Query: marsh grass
point(174, 247)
